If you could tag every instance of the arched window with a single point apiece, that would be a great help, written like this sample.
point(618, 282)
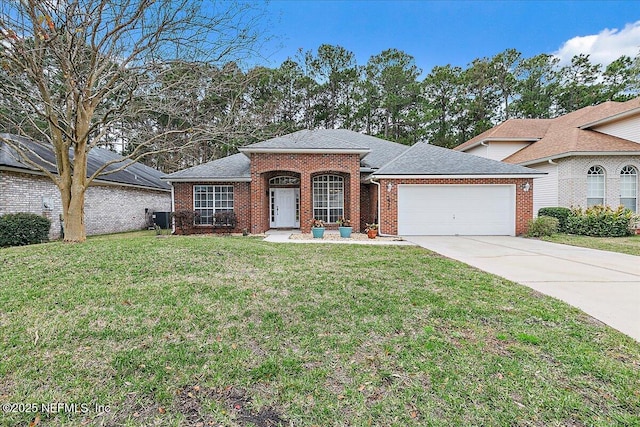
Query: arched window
point(595, 186)
point(629, 187)
point(284, 180)
point(328, 197)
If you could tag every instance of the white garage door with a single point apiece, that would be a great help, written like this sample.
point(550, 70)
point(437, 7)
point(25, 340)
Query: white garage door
point(448, 210)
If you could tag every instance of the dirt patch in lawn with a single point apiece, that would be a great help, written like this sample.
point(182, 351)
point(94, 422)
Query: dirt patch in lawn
point(236, 401)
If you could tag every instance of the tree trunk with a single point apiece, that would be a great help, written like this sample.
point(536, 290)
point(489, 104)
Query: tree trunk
point(73, 214)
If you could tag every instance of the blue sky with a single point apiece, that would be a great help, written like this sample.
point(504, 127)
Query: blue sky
point(455, 32)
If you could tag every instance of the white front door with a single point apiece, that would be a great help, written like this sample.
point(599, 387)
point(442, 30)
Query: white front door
point(283, 208)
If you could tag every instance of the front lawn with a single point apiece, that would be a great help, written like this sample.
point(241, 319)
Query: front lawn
point(626, 245)
point(201, 331)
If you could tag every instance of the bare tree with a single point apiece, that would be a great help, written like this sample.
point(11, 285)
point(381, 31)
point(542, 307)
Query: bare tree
point(77, 74)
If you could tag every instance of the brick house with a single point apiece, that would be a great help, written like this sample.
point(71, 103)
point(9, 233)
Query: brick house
point(122, 201)
point(287, 181)
point(591, 156)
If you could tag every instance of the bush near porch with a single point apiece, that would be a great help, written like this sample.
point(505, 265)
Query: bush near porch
point(239, 332)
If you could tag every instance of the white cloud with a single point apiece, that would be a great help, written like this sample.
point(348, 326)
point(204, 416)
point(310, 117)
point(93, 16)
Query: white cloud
point(604, 47)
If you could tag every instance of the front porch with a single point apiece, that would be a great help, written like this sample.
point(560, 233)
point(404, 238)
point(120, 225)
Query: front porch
point(325, 187)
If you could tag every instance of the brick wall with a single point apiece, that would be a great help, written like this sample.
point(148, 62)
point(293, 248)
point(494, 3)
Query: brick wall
point(108, 209)
point(368, 205)
point(183, 194)
point(389, 202)
point(306, 166)
point(572, 178)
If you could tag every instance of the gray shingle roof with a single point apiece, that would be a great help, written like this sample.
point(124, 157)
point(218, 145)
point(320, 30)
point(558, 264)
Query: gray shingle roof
point(136, 174)
point(427, 159)
point(377, 151)
point(234, 167)
point(319, 139)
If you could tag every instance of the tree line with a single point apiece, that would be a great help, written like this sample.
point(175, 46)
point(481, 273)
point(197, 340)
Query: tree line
point(387, 97)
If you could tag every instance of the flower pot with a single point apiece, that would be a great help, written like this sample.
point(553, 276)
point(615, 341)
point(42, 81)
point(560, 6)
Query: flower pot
point(345, 231)
point(318, 232)
point(372, 233)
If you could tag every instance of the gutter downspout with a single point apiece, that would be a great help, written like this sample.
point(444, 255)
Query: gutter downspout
point(380, 233)
point(551, 162)
point(173, 207)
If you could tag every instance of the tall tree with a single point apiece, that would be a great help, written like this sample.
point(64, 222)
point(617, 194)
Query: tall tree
point(86, 67)
point(482, 102)
point(536, 87)
point(334, 69)
point(618, 80)
point(580, 85)
point(443, 96)
point(503, 68)
point(393, 75)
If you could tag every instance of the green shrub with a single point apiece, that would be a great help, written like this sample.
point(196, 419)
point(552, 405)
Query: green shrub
point(185, 220)
point(23, 229)
point(542, 226)
point(601, 221)
point(559, 213)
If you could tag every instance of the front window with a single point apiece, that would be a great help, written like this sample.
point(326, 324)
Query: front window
point(209, 199)
point(595, 186)
point(328, 197)
point(629, 187)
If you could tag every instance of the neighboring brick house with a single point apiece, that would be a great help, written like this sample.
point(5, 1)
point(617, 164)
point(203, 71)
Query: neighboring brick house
point(591, 156)
point(118, 202)
point(287, 181)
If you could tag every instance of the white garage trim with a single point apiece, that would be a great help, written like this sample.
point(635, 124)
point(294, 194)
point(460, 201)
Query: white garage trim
point(530, 175)
point(457, 209)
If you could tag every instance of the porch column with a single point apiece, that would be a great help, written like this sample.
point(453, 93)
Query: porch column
point(306, 202)
point(354, 202)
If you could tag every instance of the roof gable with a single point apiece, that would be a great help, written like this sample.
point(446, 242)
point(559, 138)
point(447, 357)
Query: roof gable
point(231, 168)
point(573, 133)
point(374, 151)
point(426, 159)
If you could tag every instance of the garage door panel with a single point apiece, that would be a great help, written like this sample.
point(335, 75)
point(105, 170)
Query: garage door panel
point(456, 209)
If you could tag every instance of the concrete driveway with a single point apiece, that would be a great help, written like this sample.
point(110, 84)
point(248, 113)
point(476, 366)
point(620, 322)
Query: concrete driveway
point(606, 285)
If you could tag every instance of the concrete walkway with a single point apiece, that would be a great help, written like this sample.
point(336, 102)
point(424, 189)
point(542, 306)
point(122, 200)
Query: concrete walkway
point(605, 285)
point(282, 236)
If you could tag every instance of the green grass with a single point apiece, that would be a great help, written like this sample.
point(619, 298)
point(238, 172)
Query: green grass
point(239, 332)
point(625, 245)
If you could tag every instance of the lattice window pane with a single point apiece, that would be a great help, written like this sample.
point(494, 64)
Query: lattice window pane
point(328, 197)
point(207, 199)
point(595, 186)
point(629, 187)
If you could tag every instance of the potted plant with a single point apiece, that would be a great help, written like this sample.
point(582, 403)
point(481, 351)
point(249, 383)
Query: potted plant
point(372, 230)
point(317, 228)
point(344, 226)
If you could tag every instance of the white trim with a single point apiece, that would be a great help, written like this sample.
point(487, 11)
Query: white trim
point(362, 151)
point(98, 182)
point(580, 153)
point(613, 118)
point(173, 209)
point(532, 175)
point(196, 179)
point(496, 139)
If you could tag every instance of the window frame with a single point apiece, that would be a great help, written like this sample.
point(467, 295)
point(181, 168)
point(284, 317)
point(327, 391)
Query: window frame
point(599, 173)
point(328, 208)
point(629, 171)
point(218, 198)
